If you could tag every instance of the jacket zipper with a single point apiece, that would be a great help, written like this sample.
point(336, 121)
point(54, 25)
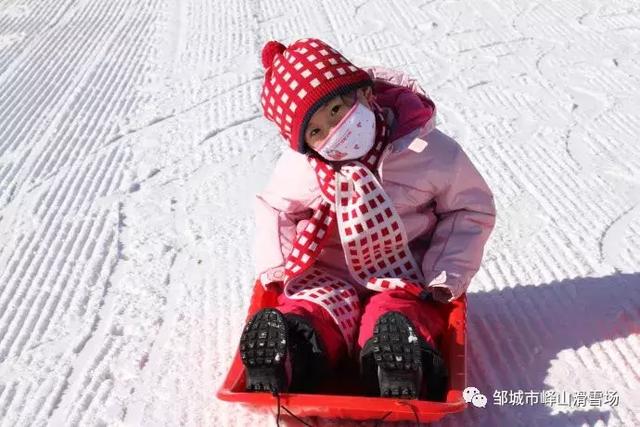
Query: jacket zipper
point(383, 157)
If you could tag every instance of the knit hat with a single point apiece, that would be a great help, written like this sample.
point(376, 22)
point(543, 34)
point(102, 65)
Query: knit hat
point(299, 79)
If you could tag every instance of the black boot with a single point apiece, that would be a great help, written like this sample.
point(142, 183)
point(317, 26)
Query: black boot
point(436, 375)
point(264, 352)
point(308, 357)
point(399, 358)
point(281, 352)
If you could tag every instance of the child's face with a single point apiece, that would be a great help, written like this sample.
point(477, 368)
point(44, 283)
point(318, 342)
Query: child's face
point(331, 113)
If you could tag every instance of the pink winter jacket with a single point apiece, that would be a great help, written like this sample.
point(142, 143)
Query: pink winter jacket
point(445, 204)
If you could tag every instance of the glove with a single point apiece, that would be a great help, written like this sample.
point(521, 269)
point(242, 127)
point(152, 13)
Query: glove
point(439, 289)
point(274, 286)
point(441, 294)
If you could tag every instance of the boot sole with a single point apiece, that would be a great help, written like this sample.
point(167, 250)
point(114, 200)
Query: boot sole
point(396, 351)
point(263, 349)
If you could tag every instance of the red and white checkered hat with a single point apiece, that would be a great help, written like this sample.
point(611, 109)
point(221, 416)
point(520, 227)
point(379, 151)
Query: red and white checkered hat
point(299, 79)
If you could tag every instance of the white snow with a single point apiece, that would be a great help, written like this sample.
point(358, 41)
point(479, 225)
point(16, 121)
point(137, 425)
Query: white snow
point(131, 144)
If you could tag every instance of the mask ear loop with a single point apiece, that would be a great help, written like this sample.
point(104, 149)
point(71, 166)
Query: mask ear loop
point(371, 99)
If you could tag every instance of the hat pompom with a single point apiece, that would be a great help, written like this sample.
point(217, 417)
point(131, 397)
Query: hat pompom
point(269, 51)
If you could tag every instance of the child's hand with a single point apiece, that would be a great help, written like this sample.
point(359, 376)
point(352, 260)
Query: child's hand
point(441, 294)
point(274, 286)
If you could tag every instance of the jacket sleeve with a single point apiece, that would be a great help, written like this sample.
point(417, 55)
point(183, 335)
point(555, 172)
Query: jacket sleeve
point(466, 214)
point(285, 201)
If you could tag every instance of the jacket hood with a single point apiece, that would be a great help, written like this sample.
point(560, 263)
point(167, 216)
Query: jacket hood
point(413, 111)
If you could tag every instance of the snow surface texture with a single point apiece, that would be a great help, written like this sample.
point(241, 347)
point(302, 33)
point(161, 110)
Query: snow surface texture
point(131, 144)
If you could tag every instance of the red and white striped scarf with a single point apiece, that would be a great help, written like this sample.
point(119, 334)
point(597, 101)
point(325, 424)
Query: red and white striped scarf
point(372, 234)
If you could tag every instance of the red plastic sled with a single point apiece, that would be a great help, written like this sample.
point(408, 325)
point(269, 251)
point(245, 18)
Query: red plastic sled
point(339, 398)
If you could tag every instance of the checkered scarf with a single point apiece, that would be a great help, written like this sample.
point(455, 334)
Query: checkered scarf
point(371, 232)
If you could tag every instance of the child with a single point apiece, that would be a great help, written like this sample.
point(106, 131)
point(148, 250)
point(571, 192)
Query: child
point(368, 213)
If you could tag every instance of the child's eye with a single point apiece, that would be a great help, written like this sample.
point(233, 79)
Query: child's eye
point(335, 109)
point(314, 132)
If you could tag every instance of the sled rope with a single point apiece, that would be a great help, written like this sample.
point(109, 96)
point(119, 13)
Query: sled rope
point(413, 409)
point(277, 395)
point(415, 413)
point(379, 420)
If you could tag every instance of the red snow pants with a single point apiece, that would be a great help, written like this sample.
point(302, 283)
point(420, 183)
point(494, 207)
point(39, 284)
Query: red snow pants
point(424, 315)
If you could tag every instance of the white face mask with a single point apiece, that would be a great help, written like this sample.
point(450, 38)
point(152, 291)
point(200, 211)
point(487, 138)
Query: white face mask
point(352, 137)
